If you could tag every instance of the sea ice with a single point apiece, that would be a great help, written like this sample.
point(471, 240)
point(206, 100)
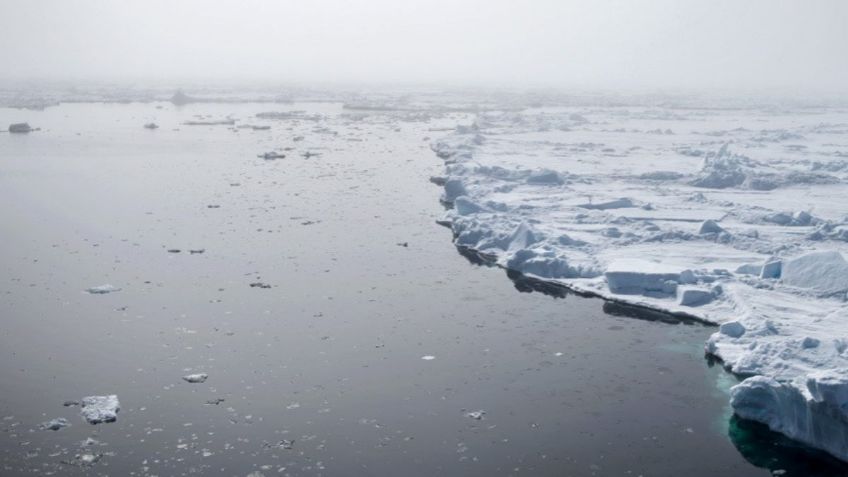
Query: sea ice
point(55, 424)
point(102, 289)
point(821, 272)
point(196, 378)
point(20, 128)
point(98, 409)
point(721, 220)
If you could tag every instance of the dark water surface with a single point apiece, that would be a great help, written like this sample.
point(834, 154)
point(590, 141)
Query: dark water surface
point(330, 356)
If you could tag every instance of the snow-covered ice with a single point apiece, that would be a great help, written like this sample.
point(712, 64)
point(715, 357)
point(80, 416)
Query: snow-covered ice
point(102, 289)
point(98, 409)
point(735, 216)
point(196, 378)
point(55, 424)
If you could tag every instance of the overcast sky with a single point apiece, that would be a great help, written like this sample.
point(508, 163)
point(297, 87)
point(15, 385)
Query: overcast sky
point(605, 44)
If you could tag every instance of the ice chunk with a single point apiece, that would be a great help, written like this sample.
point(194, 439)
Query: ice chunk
point(545, 177)
point(179, 98)
point(196, 378)
point(465, 206)
point(734, 329)
point(102, 289)
point(636, 277)
point(270, 156)
point(825, 272)
point(55, 424)
point(547, 264)
point(211, 122)
point(710, 227)
point(749, 269)
point(453, 189)
point(97, 409)
point(771, 269)
point(612, 204)
point(817, 417)
point(720, 171)
point(151, 126)
point(695, 297)
point(20, 128)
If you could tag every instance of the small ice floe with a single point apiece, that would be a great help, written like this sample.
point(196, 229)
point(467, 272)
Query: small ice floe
point(270, 156)
point(55, 424)
point(85, 460)
point(151, 126)
point(196, 378)
point(211, 122)
point(259, 285)
point(20, 128)
point(476, 415)
point(428, 357)
point(196, 251)
point(102, 289)
point(98, 409)
point(215, 402)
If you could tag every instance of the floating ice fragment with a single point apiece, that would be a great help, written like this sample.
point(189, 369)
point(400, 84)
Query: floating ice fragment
point(815, 415)
point(102, 289)
point(97, 409)
point(478, 415)
point(270, 156)
point(196, 378)
point(55, 424)
point(20, 128)
point(428, 357)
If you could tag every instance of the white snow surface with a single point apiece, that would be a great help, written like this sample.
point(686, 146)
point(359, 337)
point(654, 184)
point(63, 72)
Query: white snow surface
point(733, 216)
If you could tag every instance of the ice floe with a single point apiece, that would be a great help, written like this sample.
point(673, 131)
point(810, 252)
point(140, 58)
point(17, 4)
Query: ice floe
point(196, 378)
point(20, 128)
point(721, 220)
point(102, 289)
point(98, 409)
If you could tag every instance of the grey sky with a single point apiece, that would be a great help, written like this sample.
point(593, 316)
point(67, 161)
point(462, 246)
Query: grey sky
point(614, 43)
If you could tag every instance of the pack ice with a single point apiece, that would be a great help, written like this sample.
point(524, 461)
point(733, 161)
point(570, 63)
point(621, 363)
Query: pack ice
point(734, 216)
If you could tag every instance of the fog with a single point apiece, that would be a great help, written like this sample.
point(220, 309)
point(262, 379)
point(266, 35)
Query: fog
point(671, 44)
